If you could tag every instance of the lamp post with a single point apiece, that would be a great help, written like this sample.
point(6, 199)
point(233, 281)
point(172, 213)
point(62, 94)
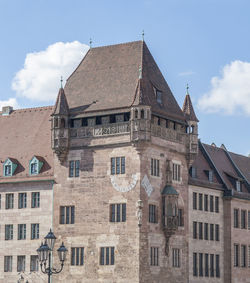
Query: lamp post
point(45, 253)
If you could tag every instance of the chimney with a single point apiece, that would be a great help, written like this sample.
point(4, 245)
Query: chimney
point(6, 110)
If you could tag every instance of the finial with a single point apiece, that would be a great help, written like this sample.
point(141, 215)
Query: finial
point(140, 72)
point(90, 42)
point(61, 82)
point(143, 35)
point(187, 89)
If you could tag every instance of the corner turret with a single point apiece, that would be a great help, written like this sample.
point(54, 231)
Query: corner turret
point(60, 126)
point(191, 128)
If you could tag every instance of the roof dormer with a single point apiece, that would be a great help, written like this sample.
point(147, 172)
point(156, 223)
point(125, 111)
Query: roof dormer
point(35, 165)
point(9, 167)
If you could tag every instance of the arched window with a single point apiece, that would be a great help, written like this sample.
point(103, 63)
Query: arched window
point(192, 129)
point(55, 122)
point(62, 125)
point(142, 114)
point(136, 113)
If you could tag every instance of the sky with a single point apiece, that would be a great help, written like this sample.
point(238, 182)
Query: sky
point(204, 43)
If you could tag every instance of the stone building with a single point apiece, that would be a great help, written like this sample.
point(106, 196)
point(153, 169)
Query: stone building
point(26, 190)
point(122, 180)
point(122, 152)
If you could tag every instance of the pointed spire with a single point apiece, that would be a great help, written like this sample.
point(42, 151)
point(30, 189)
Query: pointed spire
point(143, 35)
point(61, 106)
point(188, 109)
point(61, 82)
point(90, 42)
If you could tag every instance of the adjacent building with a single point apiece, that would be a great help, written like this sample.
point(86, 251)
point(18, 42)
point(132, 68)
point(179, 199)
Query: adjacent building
point(26, 190)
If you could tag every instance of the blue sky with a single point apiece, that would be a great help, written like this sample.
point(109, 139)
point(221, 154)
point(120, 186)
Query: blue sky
point(192, 41)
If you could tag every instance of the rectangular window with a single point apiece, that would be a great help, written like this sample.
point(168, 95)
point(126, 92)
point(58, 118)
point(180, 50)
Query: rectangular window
point(211, 232)
point(20, 263)
point(34, 231)
point(176, 172)
point(176, 257)
point(34, 264)
point(0, 202)
point(212, 265)
point(243, 219)
point(210, 176)
point(200, 264)
point(7, 170)
point(206, 266)
point(117, 165)
point(77, 256)
point(67, 214)
point(21, 232)
point(217, 232)
point(74, 168)
point(155, 167)
point(154, 256)
point(35, 199)
point(217, 266)
point(200, 230)
point(107, 256)
point(243, 256)
point(236, 255)
point(34, 168)
point(236, 218)
point(248, 217)
point(8, 264)
point(206, 231)
point(180, 217)
point(195, 271)
point(22, 200)
point(200, 202)
point(211, 204)
point(194, 200)
point(194, 229)
point(9, 232)
point(206, 202)
point(238, 186)
point(118, 212)
point(159, 96)
point(249, 256)
point(153, 214)
point(217, 204)
point(9, 201)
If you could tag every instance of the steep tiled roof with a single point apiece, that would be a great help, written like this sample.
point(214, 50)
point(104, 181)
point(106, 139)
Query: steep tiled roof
point(108, 78)
point(243, 164)
point(188, 109)
point(26, 133)
point(223, 165)
point(202, 166)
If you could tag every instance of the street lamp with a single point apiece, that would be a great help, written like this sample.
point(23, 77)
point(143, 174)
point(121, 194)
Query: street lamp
point(44, 255)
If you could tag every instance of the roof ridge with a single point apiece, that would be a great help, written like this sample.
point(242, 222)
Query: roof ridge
point(31, 108)
point(118, 44)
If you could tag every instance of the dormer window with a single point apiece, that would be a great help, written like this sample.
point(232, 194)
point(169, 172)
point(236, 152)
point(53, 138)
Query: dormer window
point(238, 186)
point(210, 176)
point(35, 165)
point(193, 172)
point(159, 96)
point(9, 167)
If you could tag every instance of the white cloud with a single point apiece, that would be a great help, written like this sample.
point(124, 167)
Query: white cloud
point(186, 73)
point(39, 79)
point(9, 102)
point(230, 93)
